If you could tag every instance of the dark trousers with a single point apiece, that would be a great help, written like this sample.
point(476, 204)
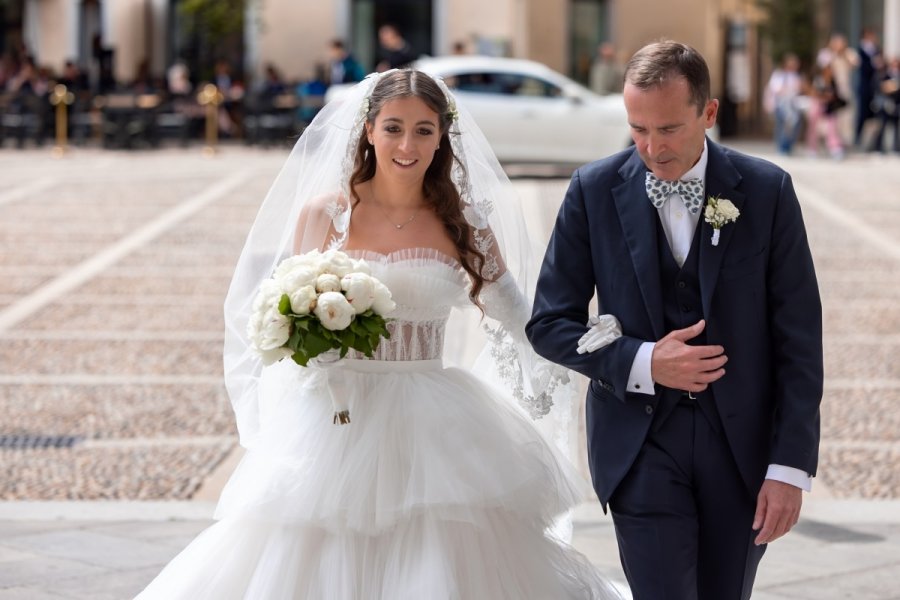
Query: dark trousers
point(683, 515)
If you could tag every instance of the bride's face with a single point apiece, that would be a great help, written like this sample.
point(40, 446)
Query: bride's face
point(405, 135)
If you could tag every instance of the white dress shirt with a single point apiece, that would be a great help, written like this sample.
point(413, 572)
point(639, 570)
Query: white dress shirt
point(679, 226)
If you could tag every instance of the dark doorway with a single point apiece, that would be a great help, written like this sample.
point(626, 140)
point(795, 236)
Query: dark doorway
point(413, 18)
point(11, 41)
point(201, 37)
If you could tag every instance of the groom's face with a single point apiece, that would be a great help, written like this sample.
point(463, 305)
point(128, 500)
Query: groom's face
point(666, 128)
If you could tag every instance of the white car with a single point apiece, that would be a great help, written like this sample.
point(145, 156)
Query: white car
point(529, 112)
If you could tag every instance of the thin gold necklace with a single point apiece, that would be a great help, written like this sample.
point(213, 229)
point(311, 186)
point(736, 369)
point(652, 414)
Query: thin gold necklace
point(389, 220)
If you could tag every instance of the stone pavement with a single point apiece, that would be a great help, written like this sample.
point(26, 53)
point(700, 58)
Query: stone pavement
point(112, 273)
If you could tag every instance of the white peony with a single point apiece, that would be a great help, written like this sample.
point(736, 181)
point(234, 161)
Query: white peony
point(298, 277)
point(269, 330)
point(361, 266)
point(310, 260)
point(336, 263)
point(303, 300)
point(328, 282)
point(269, 295)
point(360, 291)
point(334, 311)
point(383, 304)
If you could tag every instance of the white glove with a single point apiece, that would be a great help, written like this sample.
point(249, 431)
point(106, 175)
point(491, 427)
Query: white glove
point(604, 330)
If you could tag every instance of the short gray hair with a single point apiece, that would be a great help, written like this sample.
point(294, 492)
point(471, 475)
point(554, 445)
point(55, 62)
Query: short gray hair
point(663, 61)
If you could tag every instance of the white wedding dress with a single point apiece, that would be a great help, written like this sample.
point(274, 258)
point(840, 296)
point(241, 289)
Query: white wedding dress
point(439, 489)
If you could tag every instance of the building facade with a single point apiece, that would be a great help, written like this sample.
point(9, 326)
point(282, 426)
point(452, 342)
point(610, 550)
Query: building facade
point(293, 35)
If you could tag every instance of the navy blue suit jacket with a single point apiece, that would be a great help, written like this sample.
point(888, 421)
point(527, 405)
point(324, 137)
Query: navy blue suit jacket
point(760, 301)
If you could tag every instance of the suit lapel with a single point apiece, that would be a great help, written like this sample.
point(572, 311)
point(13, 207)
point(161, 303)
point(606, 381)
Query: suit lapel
point(638, 219)
point(721, 180)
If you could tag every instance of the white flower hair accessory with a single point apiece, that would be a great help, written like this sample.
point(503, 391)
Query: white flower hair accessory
point(718, 213)
point(451, 109)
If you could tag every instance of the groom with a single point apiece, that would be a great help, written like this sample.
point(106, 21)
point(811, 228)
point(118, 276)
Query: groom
point(703, 417)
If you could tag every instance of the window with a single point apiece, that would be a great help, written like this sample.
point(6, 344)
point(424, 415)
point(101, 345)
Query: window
point(509, 84)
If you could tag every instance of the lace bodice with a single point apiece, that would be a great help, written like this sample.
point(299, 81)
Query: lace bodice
point(425, 284)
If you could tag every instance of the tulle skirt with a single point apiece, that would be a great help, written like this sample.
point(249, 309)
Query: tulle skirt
point(438, 489)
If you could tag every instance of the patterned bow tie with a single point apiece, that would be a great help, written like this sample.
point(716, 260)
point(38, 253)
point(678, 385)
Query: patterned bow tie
point(691, 192)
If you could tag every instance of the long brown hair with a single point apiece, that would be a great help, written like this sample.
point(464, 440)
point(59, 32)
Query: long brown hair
point(438, 189)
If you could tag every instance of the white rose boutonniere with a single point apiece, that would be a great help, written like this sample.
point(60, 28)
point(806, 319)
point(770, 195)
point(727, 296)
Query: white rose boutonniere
point(718, 213)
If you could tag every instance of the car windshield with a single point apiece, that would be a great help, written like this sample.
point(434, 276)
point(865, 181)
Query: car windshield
point(509, 84)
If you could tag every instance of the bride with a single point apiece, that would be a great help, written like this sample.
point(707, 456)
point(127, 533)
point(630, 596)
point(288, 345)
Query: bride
point(441, 487)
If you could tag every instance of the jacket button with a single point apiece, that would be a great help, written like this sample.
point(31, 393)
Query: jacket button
point(649, 409)
point(681, 285)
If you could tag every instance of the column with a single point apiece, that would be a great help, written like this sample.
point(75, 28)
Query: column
point(891, 28)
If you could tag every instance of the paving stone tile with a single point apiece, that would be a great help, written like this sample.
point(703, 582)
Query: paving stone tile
point(864, 361)
point(861, 317)
point(92, 548)
point(112, 357)
point(860, 471)
point(865, 584)
point(29, 593)
point(861, 414)
point(116, 411)
point(125, 317)
point(22, 282)
point(173, 471)
point(44, 570)
point(126, 583)
point(147, 284)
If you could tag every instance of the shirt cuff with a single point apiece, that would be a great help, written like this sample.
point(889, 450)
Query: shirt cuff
point(790, 475)
point(639, 379)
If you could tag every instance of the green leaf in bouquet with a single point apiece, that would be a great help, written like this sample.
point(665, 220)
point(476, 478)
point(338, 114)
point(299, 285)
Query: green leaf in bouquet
point(357, 327)
point(374, 324)
point(302, 323)
point(301, 358)
point(363, 344)
point(315, 344)
point(378, 328)
point(284, 305)
point(294, 341)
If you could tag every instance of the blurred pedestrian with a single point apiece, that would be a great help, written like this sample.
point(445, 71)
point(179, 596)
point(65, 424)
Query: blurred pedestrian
point(843, 60)
point(178, 79)
point(344, 68)
point(782, 101)
point(607, 72)
point(870, 62)
point(822, 114)
point(887, 102)
point(273, 83)
point(73, 78)
point(311, 94)
point(394, 50)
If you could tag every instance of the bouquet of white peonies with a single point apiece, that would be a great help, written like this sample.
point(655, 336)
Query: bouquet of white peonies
point(317, 303)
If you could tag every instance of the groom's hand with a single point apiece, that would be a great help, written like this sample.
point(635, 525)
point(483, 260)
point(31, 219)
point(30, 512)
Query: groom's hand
point(777, 510)
point(677, 365)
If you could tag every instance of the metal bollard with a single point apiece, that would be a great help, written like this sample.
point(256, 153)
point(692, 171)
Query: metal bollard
point(61, 98)
point(211, 98)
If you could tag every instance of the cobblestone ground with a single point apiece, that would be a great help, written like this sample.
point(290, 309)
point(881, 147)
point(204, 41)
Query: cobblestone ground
point(114, 266)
